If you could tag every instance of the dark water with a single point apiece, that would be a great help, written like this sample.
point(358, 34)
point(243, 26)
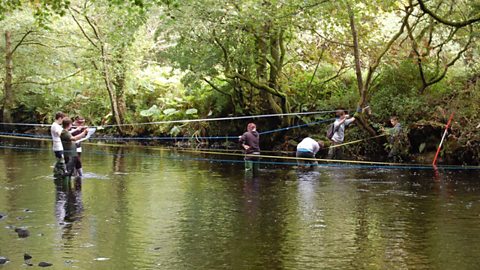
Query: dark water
point(139, 209)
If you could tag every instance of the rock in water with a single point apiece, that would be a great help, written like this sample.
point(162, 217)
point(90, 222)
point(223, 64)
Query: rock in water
point(3, 260)
point(44, 264)
point(22, 233)
point(26, 257)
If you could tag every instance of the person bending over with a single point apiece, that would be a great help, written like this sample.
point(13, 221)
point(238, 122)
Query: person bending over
point(308, 148)
point(68, 143)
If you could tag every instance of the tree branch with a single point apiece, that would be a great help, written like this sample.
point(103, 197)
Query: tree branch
point(214, 87)
point(258, 85)
point(444, 21)
point(83, 31)
point(52, 82)
point(21, 40)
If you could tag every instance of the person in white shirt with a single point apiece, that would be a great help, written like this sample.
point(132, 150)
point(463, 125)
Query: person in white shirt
point(55, 131)
point(343, 120)
point(308, 148)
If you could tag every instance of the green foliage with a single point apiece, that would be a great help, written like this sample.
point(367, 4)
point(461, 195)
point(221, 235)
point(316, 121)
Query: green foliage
point(169, 60)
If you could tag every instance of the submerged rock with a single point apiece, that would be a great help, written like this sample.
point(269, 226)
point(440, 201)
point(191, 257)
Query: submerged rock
point(3, 260)
point(27, 257)
point(22, 233)
point(44, 264)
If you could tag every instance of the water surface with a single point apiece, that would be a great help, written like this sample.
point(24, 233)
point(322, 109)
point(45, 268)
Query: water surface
point(144, 209)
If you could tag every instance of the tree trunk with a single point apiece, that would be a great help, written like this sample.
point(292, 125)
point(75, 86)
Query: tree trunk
point(356, 55)
point(362, 119)
point(120, 89)
point(111, 92)
point(8, 99)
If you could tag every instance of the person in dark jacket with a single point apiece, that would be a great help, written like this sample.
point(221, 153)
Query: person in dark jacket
point(250, 141)
point(69, 147)
point(77, 128)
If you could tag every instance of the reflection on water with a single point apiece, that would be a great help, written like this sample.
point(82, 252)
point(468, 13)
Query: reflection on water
point(68, 200)
point(139, 209)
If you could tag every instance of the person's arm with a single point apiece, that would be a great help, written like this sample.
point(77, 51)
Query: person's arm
point(349, 120)
point(242, 140)
point(337, 123)
point(79, 136)
point(57, 131)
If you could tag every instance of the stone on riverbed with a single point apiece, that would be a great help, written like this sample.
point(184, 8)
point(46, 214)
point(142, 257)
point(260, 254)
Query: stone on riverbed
point(44, 264)
point(22, 233)
point(3, 260)
point(27, 256)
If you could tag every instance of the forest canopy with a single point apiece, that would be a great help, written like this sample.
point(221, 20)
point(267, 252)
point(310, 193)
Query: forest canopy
point(117, 62)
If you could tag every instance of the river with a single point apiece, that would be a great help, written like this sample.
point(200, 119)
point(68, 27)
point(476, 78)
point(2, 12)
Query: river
point(143, 209)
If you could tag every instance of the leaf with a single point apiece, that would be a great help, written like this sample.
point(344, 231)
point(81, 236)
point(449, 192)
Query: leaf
point(192, 111)
point(169, 111)
point(422, 147)
point(153, 110)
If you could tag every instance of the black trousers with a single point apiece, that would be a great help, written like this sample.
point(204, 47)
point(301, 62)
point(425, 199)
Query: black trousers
point(70, 164)
point(78, 161)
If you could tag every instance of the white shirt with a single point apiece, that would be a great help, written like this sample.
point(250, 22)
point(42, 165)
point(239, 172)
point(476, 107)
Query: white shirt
point(309, 144)
point(339, 135)
point(56, 130)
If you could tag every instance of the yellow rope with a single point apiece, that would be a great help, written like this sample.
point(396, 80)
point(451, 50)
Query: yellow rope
point(242, 155)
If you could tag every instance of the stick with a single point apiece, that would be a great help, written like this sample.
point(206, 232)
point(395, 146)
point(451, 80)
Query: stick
point(443, 138)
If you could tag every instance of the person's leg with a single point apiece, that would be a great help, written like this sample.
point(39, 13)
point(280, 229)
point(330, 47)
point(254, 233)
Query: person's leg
point(332, 151)
point(59, 167)
point(300, 163)
point(70, 164)
point(78, 164)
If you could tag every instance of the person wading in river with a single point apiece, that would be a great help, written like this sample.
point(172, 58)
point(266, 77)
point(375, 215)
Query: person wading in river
point(250, 141)
point(77, 128)
point(342, 120)
point(394, 140)
point(69, 147)
point(308, 148)
point(55, 131)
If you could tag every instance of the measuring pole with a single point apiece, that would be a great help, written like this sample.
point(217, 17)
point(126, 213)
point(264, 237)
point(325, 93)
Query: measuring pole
point(443, 138)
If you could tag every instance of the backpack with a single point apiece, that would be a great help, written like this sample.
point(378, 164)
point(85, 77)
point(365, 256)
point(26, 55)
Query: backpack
point(331, 130)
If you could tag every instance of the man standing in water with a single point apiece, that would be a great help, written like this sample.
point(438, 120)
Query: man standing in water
point(394, 139)
point(68, 142)
point(250, 141)
point(78, 127)
point(55, 131)
point(342, 120)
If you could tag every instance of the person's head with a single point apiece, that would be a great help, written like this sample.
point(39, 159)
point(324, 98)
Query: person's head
point(251, 127)
point(340, 113)
point(394, 120)
point(79, 120)
point(59, 117)
point(66, 123)
point(321, 144)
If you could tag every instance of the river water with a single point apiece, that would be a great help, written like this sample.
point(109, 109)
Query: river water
point(144, 209)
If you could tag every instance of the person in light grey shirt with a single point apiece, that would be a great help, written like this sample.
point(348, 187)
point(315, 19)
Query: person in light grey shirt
point(343, 120)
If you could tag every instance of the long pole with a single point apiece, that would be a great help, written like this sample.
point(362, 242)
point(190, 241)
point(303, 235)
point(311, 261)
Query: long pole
point(443, 138)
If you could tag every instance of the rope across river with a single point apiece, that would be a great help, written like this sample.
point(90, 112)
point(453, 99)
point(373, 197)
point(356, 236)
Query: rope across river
point(277, 160)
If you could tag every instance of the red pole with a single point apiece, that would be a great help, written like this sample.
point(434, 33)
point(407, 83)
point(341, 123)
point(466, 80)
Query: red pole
point(443, 138)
